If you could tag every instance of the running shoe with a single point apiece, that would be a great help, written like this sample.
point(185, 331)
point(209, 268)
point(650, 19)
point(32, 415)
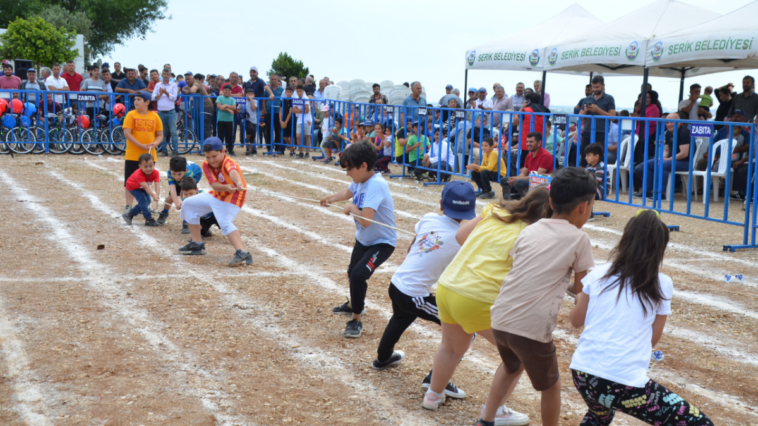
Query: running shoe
point(241, 258)
point(508, 417)
point(162, 219)
point(396, 358)
point(151, 222)
point(451, 389)
point(193, 249)
point(127, 218)
point(346, 309)
point(433, 400)
point(185, 228)
point(354, 329)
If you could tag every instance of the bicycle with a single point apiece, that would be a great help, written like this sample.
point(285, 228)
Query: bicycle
point(99, 138)
point(184, 134)
point(21, 139)
point(60, 139)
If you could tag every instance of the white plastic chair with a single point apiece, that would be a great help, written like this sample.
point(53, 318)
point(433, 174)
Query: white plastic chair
point(625, 150)
point(332, 92)
point(387, 84)
point(344, 85)
point(700, 149)
point(720, 170)
point(356, 81)
point(363, 94)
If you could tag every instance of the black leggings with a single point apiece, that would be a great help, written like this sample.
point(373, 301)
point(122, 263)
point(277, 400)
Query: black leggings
point(483, 179)
point(653, 404)
point(363, 263)
point(405, 310)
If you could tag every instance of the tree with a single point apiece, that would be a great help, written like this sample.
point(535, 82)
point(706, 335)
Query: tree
point(287, 66)
point(112, 21)
point(74, 21)
point(38, 41)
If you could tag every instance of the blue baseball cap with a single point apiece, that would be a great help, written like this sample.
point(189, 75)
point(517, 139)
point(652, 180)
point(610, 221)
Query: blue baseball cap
point(367, 123)
point(105, 65)
point(215, 143)
point(739, 112)
point(145, 95)
point(472, 89)
point(189, 73)
point(449, 86)
point(459, 200)
point(482, 89)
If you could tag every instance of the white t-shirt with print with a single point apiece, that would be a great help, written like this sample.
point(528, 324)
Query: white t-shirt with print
point(434, 249)
point(308, 117)
point(617, 339)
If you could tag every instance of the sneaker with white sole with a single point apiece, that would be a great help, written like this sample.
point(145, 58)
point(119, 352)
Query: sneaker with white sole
point(241, 258)
point(396, 358)
point(346, 309)
point(508, 417)
point(193, 249)
point(433, 400)
point(451, 389)
point(354, 329)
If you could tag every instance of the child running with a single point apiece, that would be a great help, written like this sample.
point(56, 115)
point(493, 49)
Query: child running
point(623, 307)
point(188, 188)
point(137, 185)
point(428, 255)
point(178, 169)
point(225, 201)
point(469, 286)
point(374, 244)
point(525, 312)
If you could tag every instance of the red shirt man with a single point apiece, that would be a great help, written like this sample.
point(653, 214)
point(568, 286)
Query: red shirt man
point(542, 159)
point(73, 78)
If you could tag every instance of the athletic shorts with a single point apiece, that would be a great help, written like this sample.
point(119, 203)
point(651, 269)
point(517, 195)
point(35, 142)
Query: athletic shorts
point(130, 166)
point(197, 206)
point(303, 128)
point(539, 359)
point(472, 315)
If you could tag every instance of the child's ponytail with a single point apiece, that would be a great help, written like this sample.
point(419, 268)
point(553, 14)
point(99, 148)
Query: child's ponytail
point(530, 209)
point(637, 258)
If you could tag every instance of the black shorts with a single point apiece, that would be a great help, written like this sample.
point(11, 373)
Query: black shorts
point(130, 167)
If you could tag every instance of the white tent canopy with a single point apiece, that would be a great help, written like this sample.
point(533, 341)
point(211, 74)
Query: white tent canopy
point(727, 42)
point(620, 45)
point(525, 50)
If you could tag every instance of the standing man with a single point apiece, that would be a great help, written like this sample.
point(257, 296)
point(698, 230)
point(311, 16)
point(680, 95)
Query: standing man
point(448, 93)
point(164, 94)
point(131, 85)
point(106, 105)
point(518, 98)
point(117, 75)
point(57, 83)
point(501, 102)
point(747, 101)
point(96, 85)
point(272, 127)
point(414, 100)
point(692, 105)
point(538, 90)
point(598, 104)
point(73, 78)
point(259, 88)
point(44, 73)
point(155, 78)
point(580, 105)
point(377, 95)
point(309, 87)
point(31, 83)
point(194, 87)
point(319, 94)
point(724, 95)
point(142, 74)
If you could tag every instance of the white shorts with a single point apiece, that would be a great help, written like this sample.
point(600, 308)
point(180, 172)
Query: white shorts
point(197, 206)
point(303, 128)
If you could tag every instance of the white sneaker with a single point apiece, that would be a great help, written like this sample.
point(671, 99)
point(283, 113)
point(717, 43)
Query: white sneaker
point(433, 400)
point(507, 417)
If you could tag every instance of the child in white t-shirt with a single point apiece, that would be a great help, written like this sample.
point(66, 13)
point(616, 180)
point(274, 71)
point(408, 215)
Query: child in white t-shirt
point(623, 313)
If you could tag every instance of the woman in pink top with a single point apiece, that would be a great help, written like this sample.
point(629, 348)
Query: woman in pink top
point(651, 111)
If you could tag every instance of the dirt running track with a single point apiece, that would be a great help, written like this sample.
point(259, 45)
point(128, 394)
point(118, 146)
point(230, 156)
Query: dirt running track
point(136, 334)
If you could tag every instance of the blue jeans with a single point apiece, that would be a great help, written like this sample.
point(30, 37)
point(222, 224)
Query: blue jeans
point(143, 203)
point(681, 165)
point(169, 131)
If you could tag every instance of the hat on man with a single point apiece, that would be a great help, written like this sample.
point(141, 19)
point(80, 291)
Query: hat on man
point(105, 65)
point(189, 73)
point(147, 96)
point(212, 75)
point(215, 143)
point(249, 90)
point(31, 70)
point(449, 86)
point(254, 69)
point(459, 200)
point(472, 89)
point(482, 90)
point(739, 112)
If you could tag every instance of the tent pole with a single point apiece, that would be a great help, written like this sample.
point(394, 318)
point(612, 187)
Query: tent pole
point(590, 77)
point(681, 87)
point(465, 90)
point(643, 98)
point(542, 95)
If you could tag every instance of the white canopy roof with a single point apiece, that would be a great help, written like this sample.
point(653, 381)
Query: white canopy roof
point(619, 46)
point(525, 50)
point(728, 42)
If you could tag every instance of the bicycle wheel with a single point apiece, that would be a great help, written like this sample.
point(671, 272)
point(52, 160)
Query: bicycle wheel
point(118, 139)
point(186, 145)
point(39, 134)
point(21, 140)
point(4, 146)
point(90, 142)
point(76, 147)
point(60, 141)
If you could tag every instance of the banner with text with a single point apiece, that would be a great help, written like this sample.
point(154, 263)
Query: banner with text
point(717, 47)
point(617, 52)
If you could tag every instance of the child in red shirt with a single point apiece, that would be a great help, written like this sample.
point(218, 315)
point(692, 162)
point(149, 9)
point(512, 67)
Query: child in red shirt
point(137, 185)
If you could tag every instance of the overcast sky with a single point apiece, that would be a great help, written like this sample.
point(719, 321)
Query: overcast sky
point(398, 40)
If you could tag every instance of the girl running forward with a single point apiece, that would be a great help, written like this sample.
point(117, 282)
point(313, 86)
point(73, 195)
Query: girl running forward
point(623, 308)
point(469, 286)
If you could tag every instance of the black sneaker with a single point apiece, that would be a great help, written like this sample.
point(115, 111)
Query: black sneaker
point(354, 329)
point(737, 197)
point(185, 228)
point(346, 309)
point(127, 218)
point(206, 233)
point(193, 249)
point(254, 152)
point(300, 155)
point(241, 258)
point(151, 222)
point(307, 155)
point(396, 358)
point(162, 219)
point(231, 154)
point(450, 390)
point(292, 154)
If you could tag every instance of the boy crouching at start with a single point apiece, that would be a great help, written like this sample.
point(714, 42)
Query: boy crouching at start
point(187, 187)
point(178, 169)
point(137, 185)
point(225, 201)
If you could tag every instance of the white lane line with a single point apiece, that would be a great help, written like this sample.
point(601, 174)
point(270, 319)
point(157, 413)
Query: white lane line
point(319, 189)
point(29, 399)
point(713, 343)
point(128, 277)
point(715, 302)
point(233, 299)
point(99, 278)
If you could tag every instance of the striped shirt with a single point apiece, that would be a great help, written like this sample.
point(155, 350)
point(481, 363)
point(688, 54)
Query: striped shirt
point(221, 175)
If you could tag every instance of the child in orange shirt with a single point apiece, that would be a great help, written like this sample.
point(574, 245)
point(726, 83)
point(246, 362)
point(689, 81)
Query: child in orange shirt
point(143, 130)
point(224, 201)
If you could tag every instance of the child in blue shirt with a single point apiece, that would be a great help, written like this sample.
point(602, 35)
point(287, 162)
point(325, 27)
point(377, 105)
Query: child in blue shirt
point(188, 188)
point(179, 168)
point(374, 244)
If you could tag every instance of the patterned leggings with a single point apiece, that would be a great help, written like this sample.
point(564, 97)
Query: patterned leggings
point(653, 404)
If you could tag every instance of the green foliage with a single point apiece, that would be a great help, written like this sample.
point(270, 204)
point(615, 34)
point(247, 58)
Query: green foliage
point(112, 22)
point(73, 21)
point(287, 66)
point(38, 41)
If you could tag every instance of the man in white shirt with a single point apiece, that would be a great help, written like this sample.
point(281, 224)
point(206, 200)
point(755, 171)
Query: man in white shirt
point(482, 103)
point(165, 94)
point(692, 105)
point(57, 83)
